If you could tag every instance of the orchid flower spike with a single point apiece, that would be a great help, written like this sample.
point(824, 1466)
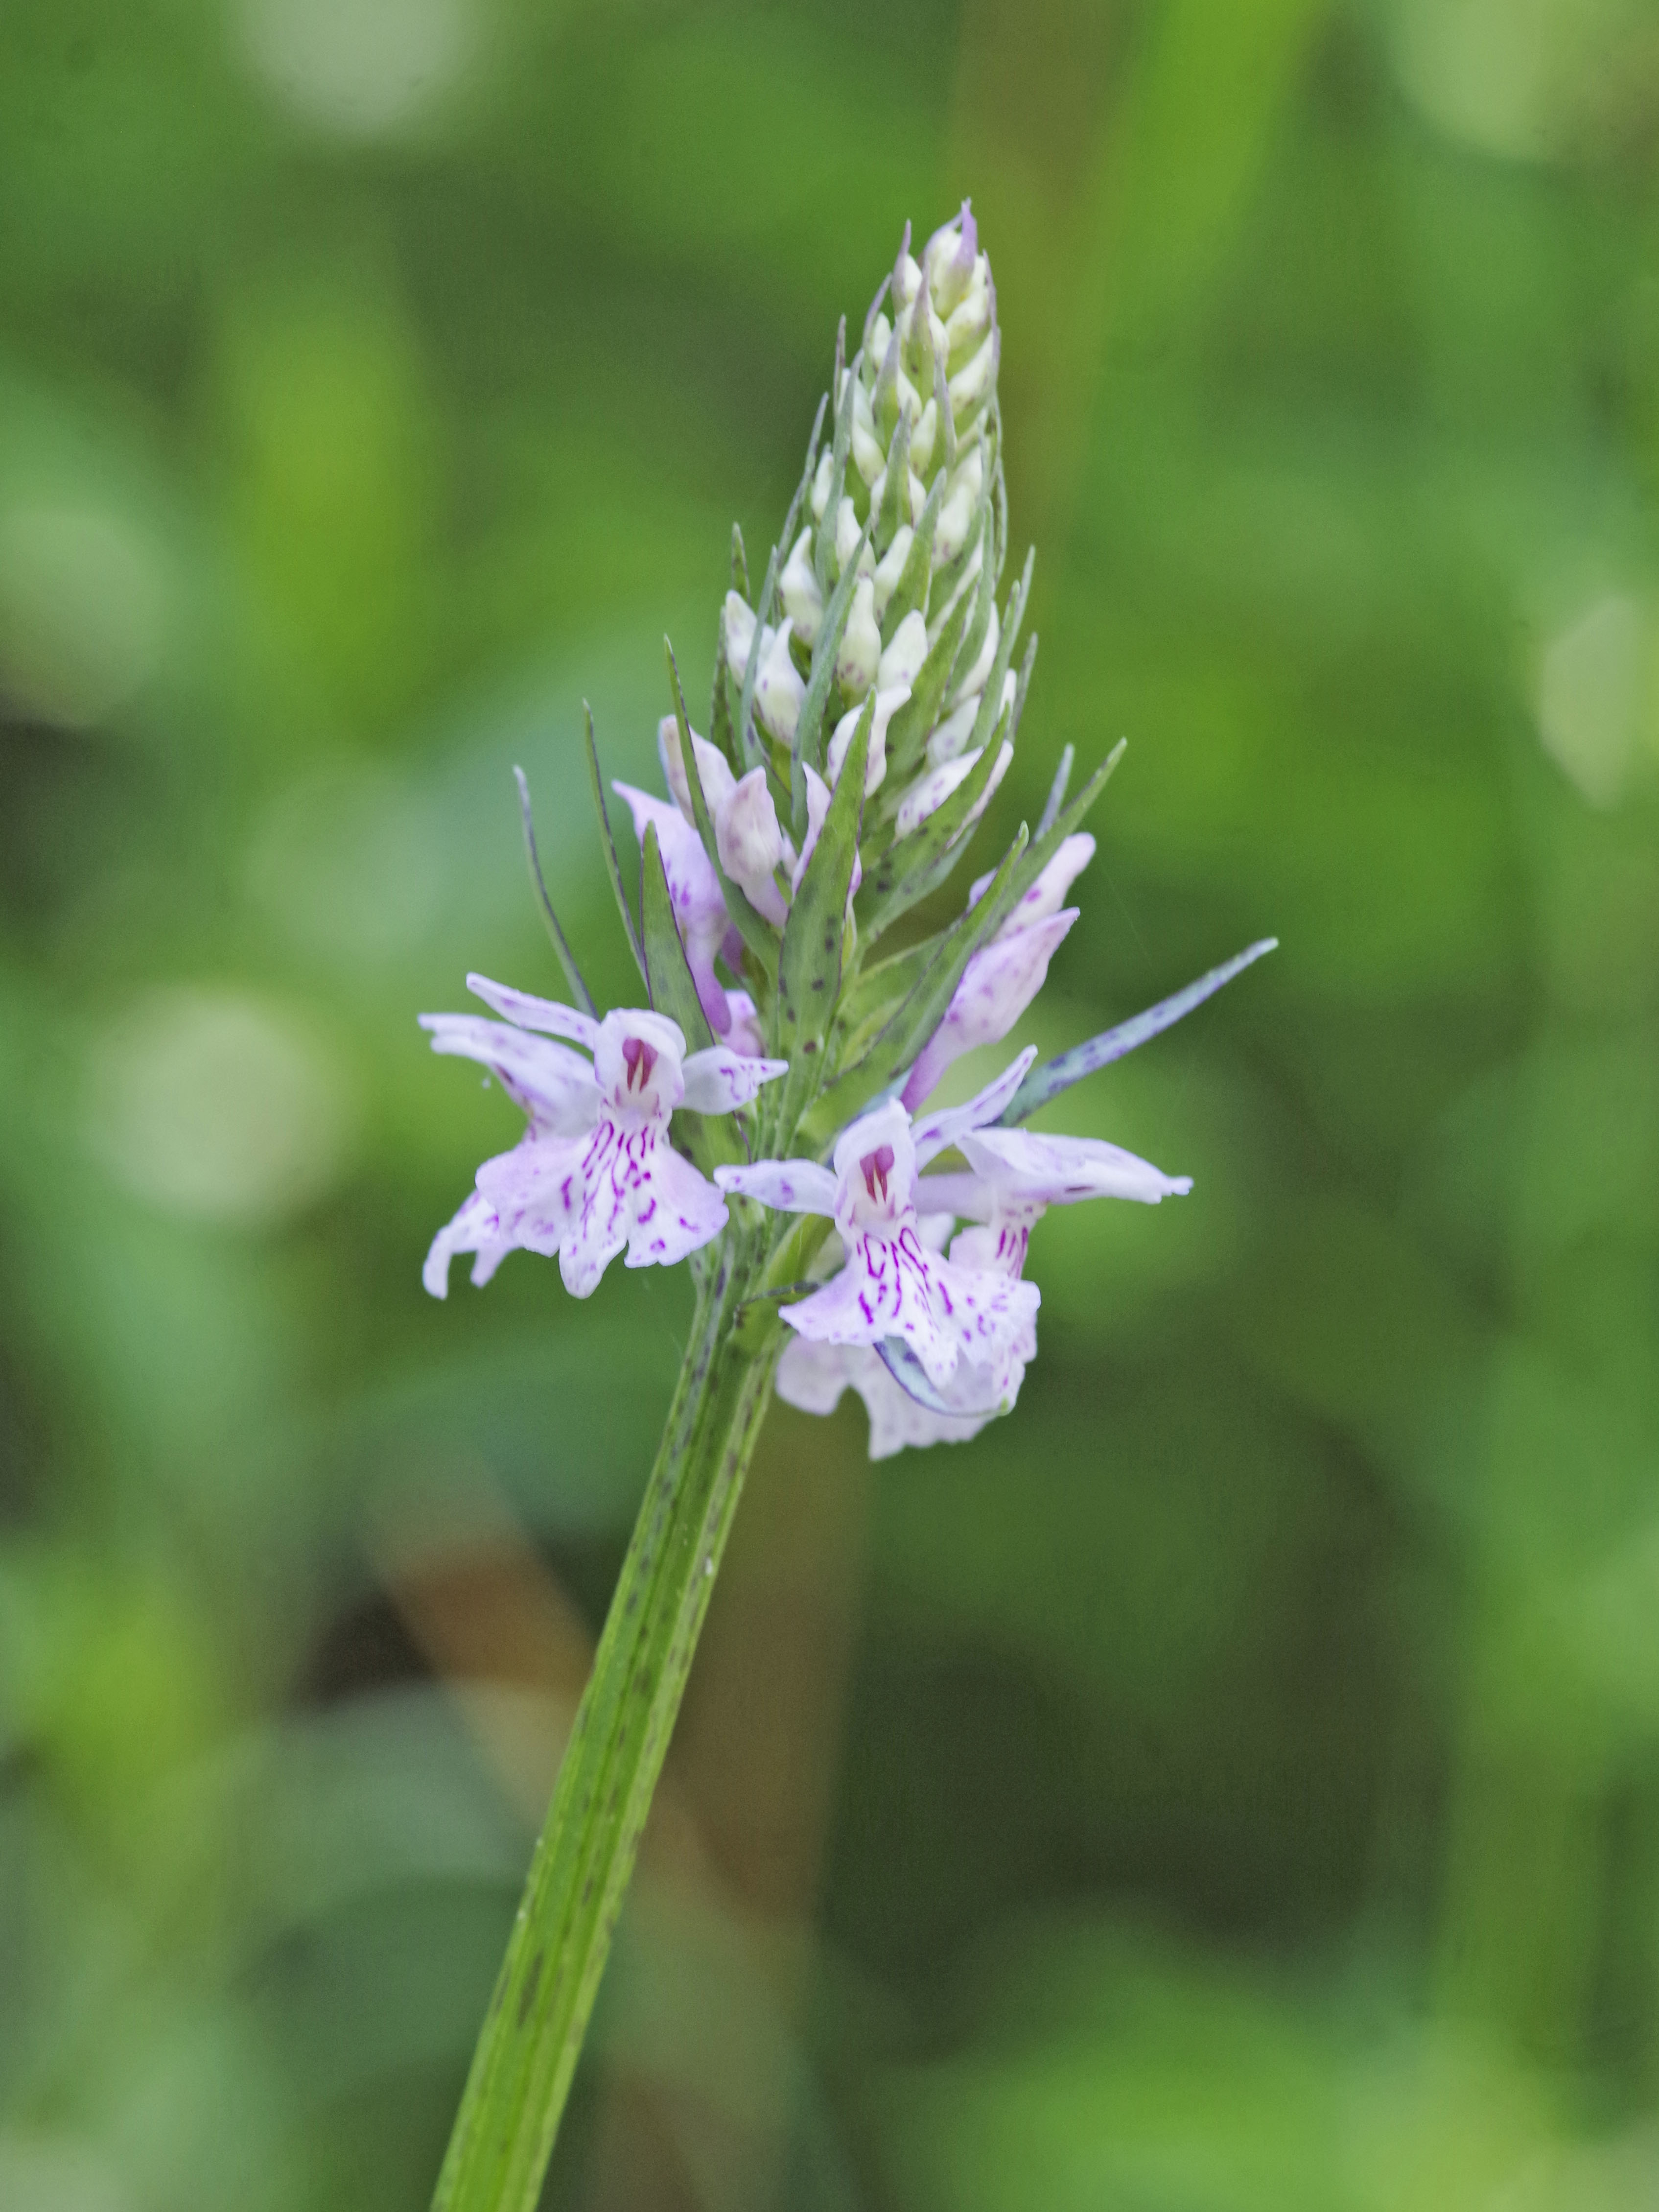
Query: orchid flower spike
point(891, 1285)
point(595, 1172)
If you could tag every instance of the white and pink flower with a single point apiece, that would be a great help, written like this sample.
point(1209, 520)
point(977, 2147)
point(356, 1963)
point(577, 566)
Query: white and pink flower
point(594, 1173)
point(1004, 977)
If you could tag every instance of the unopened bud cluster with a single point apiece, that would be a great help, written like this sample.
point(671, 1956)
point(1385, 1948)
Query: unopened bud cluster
point(907, 499)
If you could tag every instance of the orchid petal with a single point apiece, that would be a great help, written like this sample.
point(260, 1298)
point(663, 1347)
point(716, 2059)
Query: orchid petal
point(529, 1012)
point(719, 1080)
point(677, 1211)
point(550, 1082)
point(1059, 1171)
point(787, 1186)
point(1047, 894)
point(997, 985)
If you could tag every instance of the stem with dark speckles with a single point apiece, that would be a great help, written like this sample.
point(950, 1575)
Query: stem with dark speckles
point(528, 2050)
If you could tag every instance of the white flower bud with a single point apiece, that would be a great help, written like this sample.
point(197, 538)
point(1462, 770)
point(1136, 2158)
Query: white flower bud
point(803, 602)
point(822, 477)
point(891, 566)
point(973, 382)
point(968, 322)
point(967, 581)
point(902, 662)
point(739, 633)
point(750, 844)
point(923, 430)
point(778, 689)
point(849, 531)
point(954, 732)
point(860, 645)
point(974, 679)
point(888, 703)
point(961, 509)
point(869, 455)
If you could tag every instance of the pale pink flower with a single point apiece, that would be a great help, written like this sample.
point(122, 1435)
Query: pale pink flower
point(594, 1173)
point(1004, 977)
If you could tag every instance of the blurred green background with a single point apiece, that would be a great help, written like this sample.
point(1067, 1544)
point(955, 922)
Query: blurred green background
point(1230, 1786)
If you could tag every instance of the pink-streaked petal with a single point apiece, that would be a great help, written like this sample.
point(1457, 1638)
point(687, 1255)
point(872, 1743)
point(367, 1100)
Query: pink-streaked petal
point(1000, 1246)
point(884, 1290)
point(1060, 1170)
point(552, 1085)
point(675, 1211)
point(999, 983)
point(993, 1318)
point(529, 1012)
point(787, 1186)
point(536, 1190)
point(718, 1079)
point(598, 1230)
point(941, 1130)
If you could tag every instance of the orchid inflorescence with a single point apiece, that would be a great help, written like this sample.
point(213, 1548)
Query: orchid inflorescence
point(769, 1114)
point(866, 708)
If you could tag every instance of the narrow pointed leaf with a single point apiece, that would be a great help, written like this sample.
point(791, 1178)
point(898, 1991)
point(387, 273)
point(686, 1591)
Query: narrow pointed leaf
point(748, 737)
point(579, 991)
point(990, 705)
point(823, 544)
point(915, 577)
point(669, 978)
point(1023, 684)
point(1044, 847)
point(1047, 1082)
point(895, 491)
point(984, 600)
point(808, 970)
point(810, 727)
point(897, 1044)
point(719, 703)
point(911, 727)
point(1056, 798)
point(739, 564)
point(612, 866)
point(920, 863)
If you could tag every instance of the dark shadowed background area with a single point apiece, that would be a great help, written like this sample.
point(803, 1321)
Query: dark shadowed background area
point(1231, 1784)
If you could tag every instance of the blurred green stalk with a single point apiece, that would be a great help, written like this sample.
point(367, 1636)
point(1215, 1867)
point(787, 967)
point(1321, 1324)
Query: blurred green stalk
point(527, 2049)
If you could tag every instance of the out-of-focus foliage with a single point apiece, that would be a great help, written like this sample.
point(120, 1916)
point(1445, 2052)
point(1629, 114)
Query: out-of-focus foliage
point(1232, 1782)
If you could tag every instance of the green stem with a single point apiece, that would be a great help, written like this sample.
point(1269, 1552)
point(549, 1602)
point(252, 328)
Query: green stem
point(527, 2049)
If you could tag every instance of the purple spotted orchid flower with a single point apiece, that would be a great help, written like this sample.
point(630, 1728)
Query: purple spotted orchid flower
point(956, 1320)
point(595, 1172)
point(1012, 1178)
